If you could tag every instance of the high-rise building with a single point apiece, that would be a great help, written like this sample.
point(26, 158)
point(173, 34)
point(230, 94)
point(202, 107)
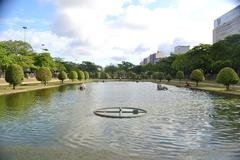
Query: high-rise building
point(181, 49)
point(227, 25)
point(153, 58)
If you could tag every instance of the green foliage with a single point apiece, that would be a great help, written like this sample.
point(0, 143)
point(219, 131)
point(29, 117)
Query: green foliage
point(111, 69)
point(218, 65)
point(44, 74)
point(180, 75)
point(89, 67)
point(73, 75)
point(197, 76)
point(161, 76)
point(155, 75)
point(62, 76)
point(227, 76)
point(104, 75)
point(126, 66)
point(81, 75)
point(14, 75)
point(168, 77)
point(86, 75)
point(44, 60)
point(59, 65)
point(131, 75)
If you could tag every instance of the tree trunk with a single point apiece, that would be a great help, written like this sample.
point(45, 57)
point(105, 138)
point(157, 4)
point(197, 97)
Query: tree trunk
point(45, 83)
point(14, 86)
point(62, 81)
point(197, 83)
point(227, 87)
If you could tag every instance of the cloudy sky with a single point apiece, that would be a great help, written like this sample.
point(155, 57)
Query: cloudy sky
point(110, 31)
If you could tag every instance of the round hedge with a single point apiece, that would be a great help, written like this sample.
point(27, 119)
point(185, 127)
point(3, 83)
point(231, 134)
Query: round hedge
point(81, 75)
point(62, 76)
point(161, 76)
point(180, 75)
point(73, 75)
point(197, 76)
point(86, 74)
point(168, 77)
point(14, 75)
point(44, 74)
point(227, 76)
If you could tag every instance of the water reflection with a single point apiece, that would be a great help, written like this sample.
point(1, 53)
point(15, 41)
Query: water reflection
point(16, 104)
point(180, 123)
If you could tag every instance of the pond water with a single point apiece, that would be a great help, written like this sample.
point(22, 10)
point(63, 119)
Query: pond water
point(180, 123)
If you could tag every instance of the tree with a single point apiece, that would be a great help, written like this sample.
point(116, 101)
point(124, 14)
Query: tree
point(180, 75)
point(155, 75)
point(14, 75)
point(161, 76)
point(126, 66)
point(73, 75)
point(104, 75)
point(168, 77)
point(44, 74)
point(197, 76)
point(227, 76)
point(86, 74)
point(62, 76)
point(81, 75)
point(89, 67)
point(111, 69)
point(218, 65)
point(44, 60)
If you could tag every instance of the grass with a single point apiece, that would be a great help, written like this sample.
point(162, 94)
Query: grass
point(208, 86)
point(33, 85)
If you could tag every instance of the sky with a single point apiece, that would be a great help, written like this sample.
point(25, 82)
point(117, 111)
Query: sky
point(110, 31)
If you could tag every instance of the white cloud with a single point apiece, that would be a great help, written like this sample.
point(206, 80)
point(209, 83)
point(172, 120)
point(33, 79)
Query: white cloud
point(104, 30)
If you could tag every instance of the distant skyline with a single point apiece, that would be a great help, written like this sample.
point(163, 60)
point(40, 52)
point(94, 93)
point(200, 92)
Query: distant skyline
point(110, 31)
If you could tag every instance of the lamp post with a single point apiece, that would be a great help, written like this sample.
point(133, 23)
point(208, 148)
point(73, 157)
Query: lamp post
point(44, 48)
point(24, 33)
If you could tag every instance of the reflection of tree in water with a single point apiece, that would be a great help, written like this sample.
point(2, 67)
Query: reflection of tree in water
point(16, 104)
point(67, 87)
point(226, 116)
point(62, 89)
point(44, 95)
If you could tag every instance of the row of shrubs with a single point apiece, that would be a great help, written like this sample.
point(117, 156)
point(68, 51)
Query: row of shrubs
point(226, 76)
point(14, 75)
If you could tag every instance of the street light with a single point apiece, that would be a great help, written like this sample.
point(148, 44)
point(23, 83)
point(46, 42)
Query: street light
point(43, 48)
point(24, 33)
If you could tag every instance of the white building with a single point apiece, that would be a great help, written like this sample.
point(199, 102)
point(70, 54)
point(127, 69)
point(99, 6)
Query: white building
point(227, 25)
point(181, 49)
point(152, 58)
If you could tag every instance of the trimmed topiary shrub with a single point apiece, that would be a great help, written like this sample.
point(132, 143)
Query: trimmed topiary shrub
point(197, 76)
point(44, 74)
point(73, 75)
point(227, 76)
point(81, 75)
point(14, 75)
point(161, 76)
point(180, 75)
point(62, 76)
point(86, 74)
point(155, 75)
point(168, 77)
